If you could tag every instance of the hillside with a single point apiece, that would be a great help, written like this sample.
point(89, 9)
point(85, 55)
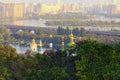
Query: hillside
point(93, 61)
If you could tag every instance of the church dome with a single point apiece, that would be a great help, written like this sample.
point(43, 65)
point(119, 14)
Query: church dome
point(71, 43)
point(33, 43)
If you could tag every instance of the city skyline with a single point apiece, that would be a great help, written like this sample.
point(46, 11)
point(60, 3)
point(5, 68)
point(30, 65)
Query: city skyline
point(65, 1)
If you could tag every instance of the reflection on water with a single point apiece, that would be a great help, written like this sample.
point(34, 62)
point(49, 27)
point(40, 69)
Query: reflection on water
point(20, 22)
point(41, 22)
point(17, 22)
point(37, 23)
point(20, 49)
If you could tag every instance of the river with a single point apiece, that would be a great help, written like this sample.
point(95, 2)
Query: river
point(41, 23)
point(20, 49)
point(31, 23)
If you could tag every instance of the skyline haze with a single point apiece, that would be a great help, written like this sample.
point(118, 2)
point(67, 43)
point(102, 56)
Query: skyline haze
point(65, 1)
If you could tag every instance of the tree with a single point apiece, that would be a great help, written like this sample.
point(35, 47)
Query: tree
point(98, 61)
point(82, 32)
point(1, 39)
point(93, 61)
point(4, 33)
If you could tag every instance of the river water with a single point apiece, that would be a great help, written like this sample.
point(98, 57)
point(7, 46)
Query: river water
point(41, 23)
point(31, 23)
point(20, 49)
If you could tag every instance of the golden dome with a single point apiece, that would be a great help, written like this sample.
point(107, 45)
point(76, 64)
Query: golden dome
point(33, 43)
point(71, 43)
point(71, 38)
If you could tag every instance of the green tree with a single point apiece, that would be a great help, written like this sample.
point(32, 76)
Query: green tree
point(4, 34)
point(98, 61)
point(82, 32)
point(1, 39)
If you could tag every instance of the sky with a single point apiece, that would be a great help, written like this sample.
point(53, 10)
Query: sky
point(65, 1)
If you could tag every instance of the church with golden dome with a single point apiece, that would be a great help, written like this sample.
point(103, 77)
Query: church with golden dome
point(34, 47)
point(71, 43)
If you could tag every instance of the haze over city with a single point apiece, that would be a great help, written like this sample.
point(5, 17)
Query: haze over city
point(65, 1)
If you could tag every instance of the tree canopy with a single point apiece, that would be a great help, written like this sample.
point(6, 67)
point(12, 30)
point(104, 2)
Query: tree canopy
point(94, 61)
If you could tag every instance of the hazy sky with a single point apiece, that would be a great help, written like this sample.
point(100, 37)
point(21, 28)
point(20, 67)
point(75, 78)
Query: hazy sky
point(66, 1)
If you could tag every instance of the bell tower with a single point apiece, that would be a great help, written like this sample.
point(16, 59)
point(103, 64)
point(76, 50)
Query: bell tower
point(41, 49)
point(71, 43)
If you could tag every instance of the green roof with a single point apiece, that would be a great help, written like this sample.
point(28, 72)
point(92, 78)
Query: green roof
point(70, 44)
point(62, 49)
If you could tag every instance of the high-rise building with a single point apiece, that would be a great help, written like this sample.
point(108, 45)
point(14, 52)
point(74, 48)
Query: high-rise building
point(114, 8)
point(51, 8)
point(115, 2)
point(11, 10)
point(75, 7)
point(66, 8)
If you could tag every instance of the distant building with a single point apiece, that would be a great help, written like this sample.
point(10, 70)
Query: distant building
point(19, 31)
point(50, 8)
point(11, 10)
point(115, 2)
point(114, 9)
point(65, 8)
point(75, 7)
point(32, 32)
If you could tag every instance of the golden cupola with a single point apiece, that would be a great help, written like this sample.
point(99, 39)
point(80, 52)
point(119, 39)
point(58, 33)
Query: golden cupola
point(33, 46)
point(71, 43)
point(72, 38)
point(33, 43)
point(62, 45)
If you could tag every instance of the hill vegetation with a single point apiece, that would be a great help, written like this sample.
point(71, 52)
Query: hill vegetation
point(94, 61)
point(74, 22)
